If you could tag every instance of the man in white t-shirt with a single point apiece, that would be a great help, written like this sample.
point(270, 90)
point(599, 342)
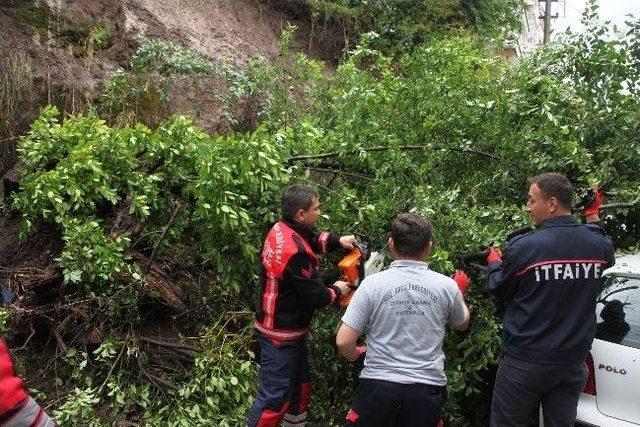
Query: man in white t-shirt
point(404, 310)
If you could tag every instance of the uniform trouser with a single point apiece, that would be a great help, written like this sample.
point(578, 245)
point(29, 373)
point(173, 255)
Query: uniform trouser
point(522, 386)
point(27, 414)
point(284, 384)
point(385, 403)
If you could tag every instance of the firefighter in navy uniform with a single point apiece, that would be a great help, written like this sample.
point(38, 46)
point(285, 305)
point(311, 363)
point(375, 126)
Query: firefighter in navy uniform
point(549, 280)
point(291, 290)
point(17, 408)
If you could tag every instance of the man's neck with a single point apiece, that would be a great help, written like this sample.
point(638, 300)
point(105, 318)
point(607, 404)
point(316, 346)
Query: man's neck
point(564, 214)
point(298, 225)
point(559, 215)
point(409, 259)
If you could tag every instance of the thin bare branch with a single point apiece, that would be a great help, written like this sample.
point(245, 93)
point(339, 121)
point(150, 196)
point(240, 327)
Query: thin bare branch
point(388, 148)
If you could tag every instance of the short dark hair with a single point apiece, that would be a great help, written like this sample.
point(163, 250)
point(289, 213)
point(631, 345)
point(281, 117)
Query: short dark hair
point(296, 197)
point(411, 233)
point(556, 185)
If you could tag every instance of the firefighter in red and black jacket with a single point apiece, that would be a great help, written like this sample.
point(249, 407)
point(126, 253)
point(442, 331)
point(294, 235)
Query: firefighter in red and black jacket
point(291, 290)
point(17, 409)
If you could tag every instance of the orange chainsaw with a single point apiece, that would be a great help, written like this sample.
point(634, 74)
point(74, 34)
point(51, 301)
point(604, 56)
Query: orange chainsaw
point(358, 264)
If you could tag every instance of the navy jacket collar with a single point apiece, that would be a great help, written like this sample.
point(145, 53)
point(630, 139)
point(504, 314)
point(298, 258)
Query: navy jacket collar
point(559, 221)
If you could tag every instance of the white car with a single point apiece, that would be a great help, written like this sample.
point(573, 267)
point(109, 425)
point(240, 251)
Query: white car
point(612, 395)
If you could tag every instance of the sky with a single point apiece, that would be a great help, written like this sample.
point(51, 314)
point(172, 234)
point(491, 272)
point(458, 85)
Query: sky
point(570, 12)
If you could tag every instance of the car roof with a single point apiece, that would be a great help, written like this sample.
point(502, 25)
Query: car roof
point(626, 265)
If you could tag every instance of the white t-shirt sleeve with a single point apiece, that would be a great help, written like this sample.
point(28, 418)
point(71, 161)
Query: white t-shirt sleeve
point(359, 309)
point(457, 315)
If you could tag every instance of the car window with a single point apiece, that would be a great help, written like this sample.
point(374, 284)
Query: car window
point(618, 311)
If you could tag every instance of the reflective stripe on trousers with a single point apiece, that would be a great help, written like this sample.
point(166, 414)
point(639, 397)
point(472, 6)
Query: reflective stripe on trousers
point(291, 420)
point(30, 414)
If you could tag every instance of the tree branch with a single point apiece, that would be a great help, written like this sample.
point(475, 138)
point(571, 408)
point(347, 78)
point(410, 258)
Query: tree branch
point(339, 172)
point(115, 362)
point(387, 148)
point(59, 340)
point(159, 380)
point(33, 332)
point(167, 344)
point(164, 232)
point(619, 205)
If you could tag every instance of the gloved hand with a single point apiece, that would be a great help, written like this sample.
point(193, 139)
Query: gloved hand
point(462, 280)
point(494, 255)
point(594, 207)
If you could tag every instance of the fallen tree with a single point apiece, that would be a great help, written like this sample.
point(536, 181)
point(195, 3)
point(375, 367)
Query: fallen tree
point(159, 229)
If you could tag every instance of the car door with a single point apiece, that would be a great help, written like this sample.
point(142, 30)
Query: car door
point(616, 349)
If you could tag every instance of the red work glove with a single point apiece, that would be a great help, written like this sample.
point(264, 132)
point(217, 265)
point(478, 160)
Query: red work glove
point(594, 207)
point(361, 350)
point(462, 280)
point(494, 255)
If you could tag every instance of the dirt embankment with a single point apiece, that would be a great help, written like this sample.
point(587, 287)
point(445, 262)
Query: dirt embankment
point(66, 67)
point(69, 73)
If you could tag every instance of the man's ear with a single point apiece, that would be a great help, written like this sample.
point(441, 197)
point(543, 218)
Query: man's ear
point(553, 204)
point(299, 215)
point(427, 251)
